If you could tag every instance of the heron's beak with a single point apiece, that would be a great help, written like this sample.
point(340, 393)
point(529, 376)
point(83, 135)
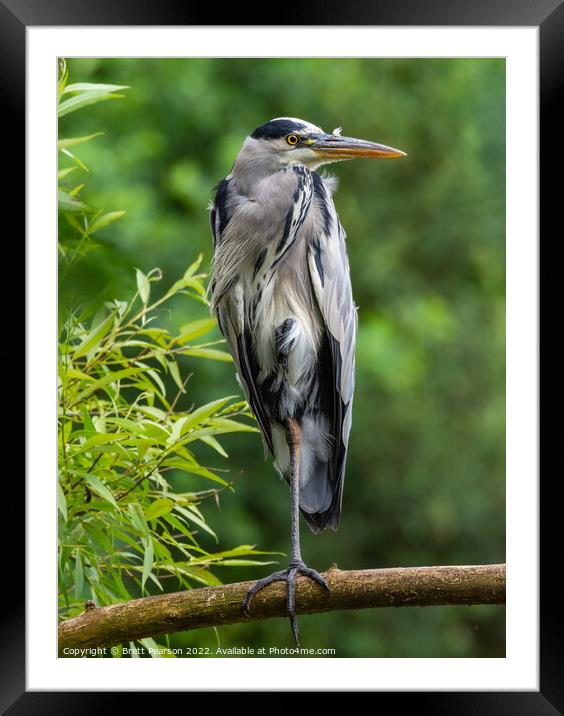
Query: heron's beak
point(333, 146)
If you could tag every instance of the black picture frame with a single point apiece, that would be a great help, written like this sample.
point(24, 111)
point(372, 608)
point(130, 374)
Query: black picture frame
point(548, 15)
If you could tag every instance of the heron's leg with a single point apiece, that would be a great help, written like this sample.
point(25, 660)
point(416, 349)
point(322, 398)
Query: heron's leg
point(294, 439)
point(297, 565)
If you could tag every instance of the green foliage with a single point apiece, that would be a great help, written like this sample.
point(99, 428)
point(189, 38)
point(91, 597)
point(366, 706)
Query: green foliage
point(426, 241)
point(82, 220)
point(122, 527)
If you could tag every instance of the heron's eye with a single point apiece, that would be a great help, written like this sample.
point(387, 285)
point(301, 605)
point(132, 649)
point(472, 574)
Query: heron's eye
point(292, 139)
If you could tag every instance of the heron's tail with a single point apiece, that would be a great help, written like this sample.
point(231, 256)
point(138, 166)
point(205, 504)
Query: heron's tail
point(318, 521)
point(321, 471)
point(320, 495)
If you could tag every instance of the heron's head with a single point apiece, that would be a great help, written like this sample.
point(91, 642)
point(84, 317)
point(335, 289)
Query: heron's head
point(286, 140)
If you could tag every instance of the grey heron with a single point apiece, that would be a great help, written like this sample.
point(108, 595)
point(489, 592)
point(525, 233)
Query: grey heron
point(281, 292)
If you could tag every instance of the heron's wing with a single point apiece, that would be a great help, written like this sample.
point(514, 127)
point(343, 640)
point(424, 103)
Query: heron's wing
point(220, 211)
point(330, 277)
point(230, 313)
point(231, 320)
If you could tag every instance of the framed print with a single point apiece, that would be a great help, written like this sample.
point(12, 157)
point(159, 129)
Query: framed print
point(204, 228)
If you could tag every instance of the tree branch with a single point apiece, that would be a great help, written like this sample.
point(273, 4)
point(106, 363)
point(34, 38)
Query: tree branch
point(214, 606)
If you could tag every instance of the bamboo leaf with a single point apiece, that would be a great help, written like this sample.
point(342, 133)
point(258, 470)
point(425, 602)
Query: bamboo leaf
point(195, 329)
point(152, 429)
point(243, 563)
point(193, 468)
point(107, 379)
point(191, 270)
point(152, 412)
point(153, 648)
point(204, 412)
point(61, 502)
point(63, 78)
point(75, 159)
point(104, 220)
point(99, 488)
point(175, 373)
point(101, 439)
point(202, 575)
point(83, 99)
point(143, 286)
point(211, 353)
point(74, 141)
point(91, 86)
point(62, 173)
point(78, 575)
point(68, 203)
point(71, 373)
point(221, 426)
point(176, 429)
point(147, 561)
point(187, 283)
point(95, 337)
point(138, 518)
point(212, 442)
point(76, 191)
point(191, 516)
point(158, 508)
point(73, 221)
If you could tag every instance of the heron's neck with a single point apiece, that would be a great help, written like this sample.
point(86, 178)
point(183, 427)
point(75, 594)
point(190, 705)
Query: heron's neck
point(253, 166)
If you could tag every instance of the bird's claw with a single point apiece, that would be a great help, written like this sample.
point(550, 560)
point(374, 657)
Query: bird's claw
point(289, 576)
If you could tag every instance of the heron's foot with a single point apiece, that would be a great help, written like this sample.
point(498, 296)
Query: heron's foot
point(289, 576)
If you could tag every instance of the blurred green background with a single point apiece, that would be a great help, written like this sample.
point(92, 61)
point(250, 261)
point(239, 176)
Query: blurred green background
point(426, 238)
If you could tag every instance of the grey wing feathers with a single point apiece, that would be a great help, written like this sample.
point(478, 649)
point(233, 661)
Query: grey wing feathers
point(231, 324)
point(231, 320)
point(329, 271)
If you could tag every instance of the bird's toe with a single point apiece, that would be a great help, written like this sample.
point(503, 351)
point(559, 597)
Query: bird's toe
point(316, 577)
